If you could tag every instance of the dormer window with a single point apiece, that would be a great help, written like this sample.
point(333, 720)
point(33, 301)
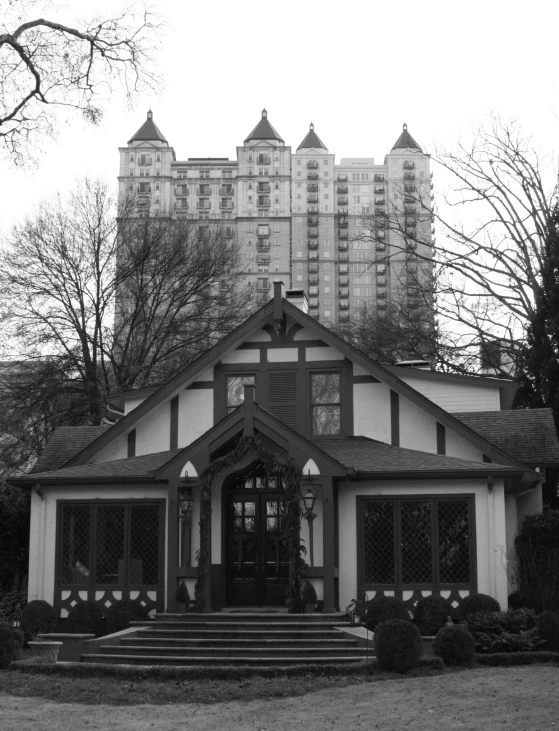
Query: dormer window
point(326, 415)
point(236, 390)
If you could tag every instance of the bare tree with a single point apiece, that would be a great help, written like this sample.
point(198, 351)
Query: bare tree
point(107, 304)
point(46, 65)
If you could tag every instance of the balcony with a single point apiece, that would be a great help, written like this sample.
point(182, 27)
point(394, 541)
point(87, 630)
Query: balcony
point(262, 285)
point(263, 245)
point(381, 294)
point(263, 231)
point(315, 314)
point(409, 165)
point(380, 212)
point(343, 189)
point(342, 245)
point(312, 164)
point(380, 234)
point(343, 235)
point(379, 190)
point(343, 257)
point(343, 281)
point(381, 281)
point(409, 176)
point(343, 201)
point(381, 304)
point(264, 188)
point(226, 204)
point(313, 254)
point(313, 266)
point(379, 201)
point(344, 293)
point(342, 222)
point(379, 178)
point(227, 232)
point(312, 209)
point(409, 188)
point(312, 221)
point(263, 202)
point(145, 161)
point(312, 233)
point(204, 190)
point(181, 190)
point(180, 207)
point(344, 305)
point(343, 268)
point(312, 244)
point(144, 189)
point(312, 198)
point(262, 258)
point(203, 205)
point(380, 247)
point(312, 176)
point(226, 190)
point(313, 279)
point(313, 302)
point(263, 160)
point(312, 186)
point(342, 178)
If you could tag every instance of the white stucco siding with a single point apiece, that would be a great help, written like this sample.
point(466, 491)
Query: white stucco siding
point(418, 429)
point(196, 409)
point(117, 449)
point(207, 375)
point(304, 334)
point(282, 355)
point(371, 411)
point(320, 354)
point(153, 433)
point(260, 336)
point(490, 531)
point(453, 395)
point(457, 446)
point(42, 541)
point(240, 357)
point(131, 403)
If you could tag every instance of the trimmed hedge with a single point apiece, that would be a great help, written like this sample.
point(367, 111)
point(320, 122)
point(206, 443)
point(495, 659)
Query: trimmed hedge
point(455, 645)
point(509, 659)
point(397, 645)
point(431, 613)
point(38, 617)
point(121, 613)
point(383, 608)
point(478, 604)
point(85, 618)
point(548, 630)
point(308, 595)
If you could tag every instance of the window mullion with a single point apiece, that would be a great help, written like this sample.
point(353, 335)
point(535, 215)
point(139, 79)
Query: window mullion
point(397, 543)
point(93, 546)
point(435, 541)
point(126, 547)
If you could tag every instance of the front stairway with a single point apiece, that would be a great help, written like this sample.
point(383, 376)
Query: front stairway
point(248, 638)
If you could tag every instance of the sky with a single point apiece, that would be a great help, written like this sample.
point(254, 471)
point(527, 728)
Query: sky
point(357, 69)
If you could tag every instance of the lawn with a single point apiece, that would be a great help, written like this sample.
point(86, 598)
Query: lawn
point(516, 698)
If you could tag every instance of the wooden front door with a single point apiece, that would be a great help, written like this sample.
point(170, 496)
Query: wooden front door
point(256, 555)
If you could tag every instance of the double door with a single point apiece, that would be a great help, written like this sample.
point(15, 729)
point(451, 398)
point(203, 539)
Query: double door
point(257, 556)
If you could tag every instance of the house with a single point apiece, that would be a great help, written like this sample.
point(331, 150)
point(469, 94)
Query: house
point(403, 496)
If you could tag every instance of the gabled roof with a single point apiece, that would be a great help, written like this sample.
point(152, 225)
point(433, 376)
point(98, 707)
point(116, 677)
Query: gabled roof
point(274, 310)
point(148, 131)
point(312, 140)
point(405, 141)
point(64, 443)
point(529, 434)
point(264, 130)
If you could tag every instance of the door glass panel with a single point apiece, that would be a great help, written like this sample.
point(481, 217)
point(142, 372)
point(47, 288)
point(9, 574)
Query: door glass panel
point(276, 554)
point(243, 544)
point(110, 567)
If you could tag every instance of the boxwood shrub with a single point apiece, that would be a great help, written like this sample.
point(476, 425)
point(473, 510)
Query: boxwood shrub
point(121, 613)
point(431, 613)
point(478, 604)
point(9, 647)
point(548, 630)
point(455, 645)
point(85, 618)
point(382, 608)
point(397, 645)
point(37, 617)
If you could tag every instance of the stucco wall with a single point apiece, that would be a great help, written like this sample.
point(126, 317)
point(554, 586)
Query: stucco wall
point(418, 430)
point(196, 410)
point(457, 446)
point(489, 524)
point(153, 434)
point(371, 411)
point(42, 541)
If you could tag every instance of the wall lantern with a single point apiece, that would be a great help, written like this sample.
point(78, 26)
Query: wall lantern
point(185, 501)
point(309, 499)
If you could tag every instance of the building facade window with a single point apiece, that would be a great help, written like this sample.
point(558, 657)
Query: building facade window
point(234, 392)
point(326, 404)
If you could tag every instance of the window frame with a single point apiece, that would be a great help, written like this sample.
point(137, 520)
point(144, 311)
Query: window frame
point(325, 371)
point(93, 505)
point(399, 585)
point(234, 371)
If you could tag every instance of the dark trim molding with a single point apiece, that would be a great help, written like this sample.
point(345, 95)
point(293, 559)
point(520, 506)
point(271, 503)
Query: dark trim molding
point(394, 418)
point(441, 438)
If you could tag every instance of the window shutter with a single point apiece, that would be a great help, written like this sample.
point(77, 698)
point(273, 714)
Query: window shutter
point(282, 396)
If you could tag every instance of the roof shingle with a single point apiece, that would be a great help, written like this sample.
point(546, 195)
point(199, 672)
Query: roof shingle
point(143, 466)
point(529, 435)
point(65, 443)
point(405, 141)
point(148, 131)
point(311, 140)
point(264, 130)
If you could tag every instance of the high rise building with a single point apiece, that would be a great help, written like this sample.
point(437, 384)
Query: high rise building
point(353, 235)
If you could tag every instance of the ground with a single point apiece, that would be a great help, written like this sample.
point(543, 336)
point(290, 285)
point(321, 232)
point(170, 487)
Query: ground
point(485, 698)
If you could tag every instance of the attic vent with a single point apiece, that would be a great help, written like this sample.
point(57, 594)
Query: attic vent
point(282, 396)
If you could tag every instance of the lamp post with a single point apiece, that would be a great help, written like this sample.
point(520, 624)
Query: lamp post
point(309, 499)
point(185, 506)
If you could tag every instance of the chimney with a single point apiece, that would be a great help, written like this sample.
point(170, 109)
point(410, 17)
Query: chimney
point(298, 298)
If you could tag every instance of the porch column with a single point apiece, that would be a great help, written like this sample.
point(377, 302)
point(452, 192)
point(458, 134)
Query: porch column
point(207, 545)
point(172, 544)
point(328, 545)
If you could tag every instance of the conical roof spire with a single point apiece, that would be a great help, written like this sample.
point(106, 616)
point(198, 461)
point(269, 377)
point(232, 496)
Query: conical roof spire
point(311, 140)
point(148, 131)
point(264, 130)
point(405, 141)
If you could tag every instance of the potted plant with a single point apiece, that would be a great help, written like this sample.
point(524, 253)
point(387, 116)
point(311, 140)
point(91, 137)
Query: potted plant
point(309, 597)
point(182, 597)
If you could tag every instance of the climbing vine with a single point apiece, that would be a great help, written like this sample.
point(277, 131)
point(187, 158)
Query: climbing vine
point(290, 476)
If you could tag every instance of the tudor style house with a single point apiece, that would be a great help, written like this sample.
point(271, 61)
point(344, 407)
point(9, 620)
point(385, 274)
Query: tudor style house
point(414, 481)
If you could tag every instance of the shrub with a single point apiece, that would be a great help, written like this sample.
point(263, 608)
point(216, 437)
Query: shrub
point(431, 613)
point(12, 605)
point(520, 600)
point(478, 604)
point(455, 645)
point(382, 608)
point(308, 594)
point(397, 645)
point(38, 617)
point(9, 648)
point(537, 550)
point(121, 613)
point(548, 630)
point(19, 637)
point(86, 618)
point(511, 631)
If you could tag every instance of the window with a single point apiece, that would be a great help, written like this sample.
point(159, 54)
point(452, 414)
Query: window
point(227, 173)
point(204, 174)
point(325, 404)
point(235, 384)
point(116, 543)
point(419, 541)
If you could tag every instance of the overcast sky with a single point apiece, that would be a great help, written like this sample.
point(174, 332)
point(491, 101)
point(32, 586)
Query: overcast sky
point(357, 69)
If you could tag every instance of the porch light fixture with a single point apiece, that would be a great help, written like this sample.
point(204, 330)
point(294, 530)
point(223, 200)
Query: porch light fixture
point(185, 501)
point(309, 499)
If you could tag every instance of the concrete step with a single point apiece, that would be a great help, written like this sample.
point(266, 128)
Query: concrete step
point(140, 640)
point(254, 625)
point(232, 652)
point(241, 633)
point(243, 617)
point(116, 659)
